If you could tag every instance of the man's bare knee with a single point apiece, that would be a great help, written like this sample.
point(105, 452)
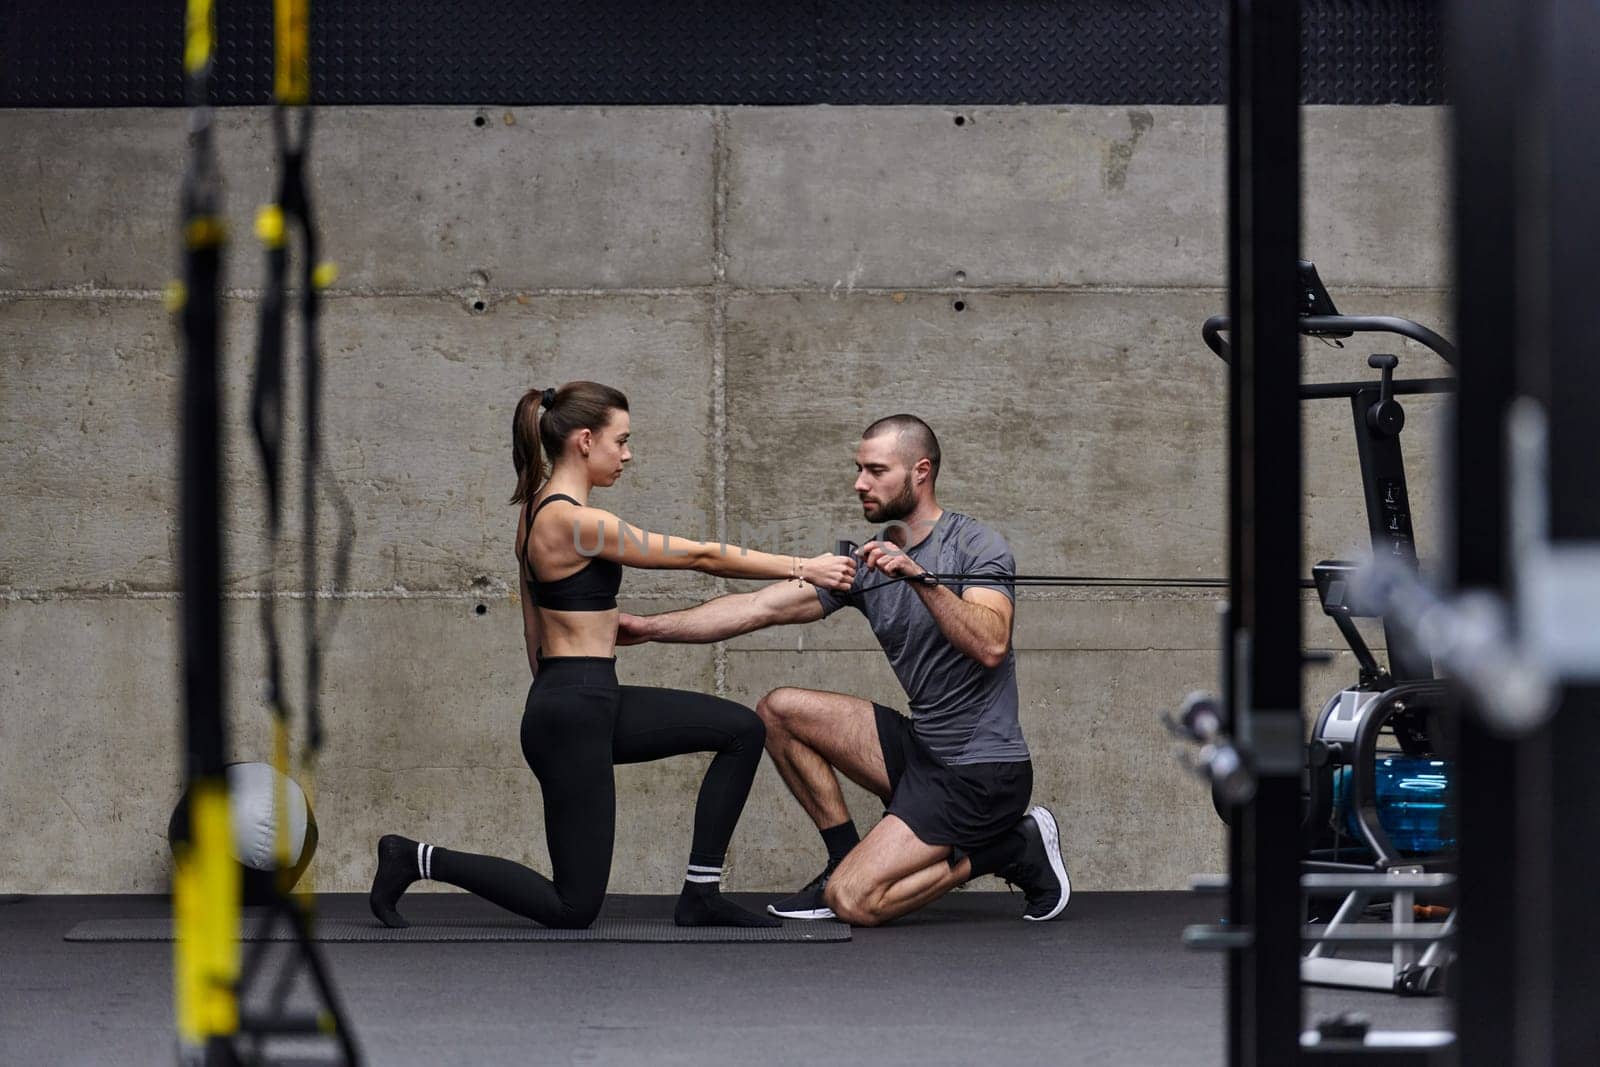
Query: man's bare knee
point(798, 712)
point(855, 898)
point(774, 708)
point(850, 905)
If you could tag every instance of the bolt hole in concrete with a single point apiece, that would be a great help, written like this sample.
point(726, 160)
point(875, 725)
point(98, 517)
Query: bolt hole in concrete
point(478, 305)
point(480, 121)
point(961, 120)
point(960, 305)
point(481, 609)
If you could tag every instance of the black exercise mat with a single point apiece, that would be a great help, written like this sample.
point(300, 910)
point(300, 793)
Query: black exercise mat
point(344, 930)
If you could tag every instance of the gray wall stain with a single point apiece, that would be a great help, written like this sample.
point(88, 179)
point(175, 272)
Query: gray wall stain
point(1120, 153)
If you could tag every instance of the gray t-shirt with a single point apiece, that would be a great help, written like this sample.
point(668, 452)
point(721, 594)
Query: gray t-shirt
point(963, 712)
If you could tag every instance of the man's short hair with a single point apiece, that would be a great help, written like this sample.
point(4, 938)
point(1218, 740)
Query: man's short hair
point(916, 439)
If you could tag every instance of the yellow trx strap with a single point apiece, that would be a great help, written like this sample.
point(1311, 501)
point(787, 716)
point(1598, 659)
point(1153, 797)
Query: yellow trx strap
point(292, 76)
point(206, 919)
point(199, 40)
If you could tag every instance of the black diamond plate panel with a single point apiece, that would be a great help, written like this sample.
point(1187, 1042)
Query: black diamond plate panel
point(1133, 51)
point(78, 53)
point(1372, 51)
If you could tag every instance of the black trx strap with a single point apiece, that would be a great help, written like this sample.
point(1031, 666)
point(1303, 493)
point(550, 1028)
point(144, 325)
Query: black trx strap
point(287, 220)
point(288, 216)
point(294, 212)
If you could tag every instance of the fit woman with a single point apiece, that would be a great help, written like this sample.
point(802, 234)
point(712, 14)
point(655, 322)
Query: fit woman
point(578, 722)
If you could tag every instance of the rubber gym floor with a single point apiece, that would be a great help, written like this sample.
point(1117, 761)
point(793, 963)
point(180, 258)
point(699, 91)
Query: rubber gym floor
point(965, 981)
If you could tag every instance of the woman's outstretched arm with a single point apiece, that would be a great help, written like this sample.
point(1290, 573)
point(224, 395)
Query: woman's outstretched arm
point(783, 604)
point(597, 532)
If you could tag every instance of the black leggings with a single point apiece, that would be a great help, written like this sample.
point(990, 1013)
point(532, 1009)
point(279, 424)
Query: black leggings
point(577, 725)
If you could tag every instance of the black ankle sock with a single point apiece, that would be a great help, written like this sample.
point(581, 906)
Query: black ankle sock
point(999, 853)
point(702, 904)
point(839, 840)
point(397, 869)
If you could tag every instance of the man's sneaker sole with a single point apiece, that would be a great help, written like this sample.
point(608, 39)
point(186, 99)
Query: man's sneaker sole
point(1052, 848)
point(802, 913)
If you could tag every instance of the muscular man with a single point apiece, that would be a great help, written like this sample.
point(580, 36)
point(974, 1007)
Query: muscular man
point(955, 776)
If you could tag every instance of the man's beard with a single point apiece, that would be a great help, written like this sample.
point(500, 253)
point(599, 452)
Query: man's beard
point(902, 504)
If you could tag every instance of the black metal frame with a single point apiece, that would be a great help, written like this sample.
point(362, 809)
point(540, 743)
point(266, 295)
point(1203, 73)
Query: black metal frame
point(1383, 479)
point(1528, 159)
point(1487, 36)
point(1570, 389)
point(1262, 698)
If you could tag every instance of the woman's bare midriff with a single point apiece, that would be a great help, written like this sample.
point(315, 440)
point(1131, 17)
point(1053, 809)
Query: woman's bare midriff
point(578, 633)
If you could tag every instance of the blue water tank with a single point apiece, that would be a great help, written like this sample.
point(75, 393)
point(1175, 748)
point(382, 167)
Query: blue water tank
point(1416, 803)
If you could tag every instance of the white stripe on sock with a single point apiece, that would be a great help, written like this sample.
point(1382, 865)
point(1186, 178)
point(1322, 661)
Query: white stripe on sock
point(703, 879)
point(696, 868)
point(429, 868)
point(422, 852)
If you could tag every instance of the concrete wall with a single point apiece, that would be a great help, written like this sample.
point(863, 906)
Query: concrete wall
point(762, 282)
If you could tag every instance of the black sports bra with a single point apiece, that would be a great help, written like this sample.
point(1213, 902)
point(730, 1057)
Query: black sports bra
point(592, 588)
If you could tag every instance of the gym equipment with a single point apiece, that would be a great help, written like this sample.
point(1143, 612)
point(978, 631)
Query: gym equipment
point(1366, 810)
point(252, 792)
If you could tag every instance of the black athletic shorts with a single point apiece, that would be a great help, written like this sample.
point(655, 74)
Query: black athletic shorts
point(963, 806)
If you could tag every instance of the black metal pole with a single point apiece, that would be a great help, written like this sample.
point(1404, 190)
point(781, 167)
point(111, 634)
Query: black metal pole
point(1265, 497)
point(1572, 395)
point(1238, 869)
point(1499, 783)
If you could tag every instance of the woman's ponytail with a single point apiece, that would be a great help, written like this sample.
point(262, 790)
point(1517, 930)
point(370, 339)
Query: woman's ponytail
point(525, 453)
